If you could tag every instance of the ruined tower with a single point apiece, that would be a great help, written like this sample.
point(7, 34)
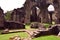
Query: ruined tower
point(18, 15)
point(1, 19)
point(41, 4)
point(28, 5)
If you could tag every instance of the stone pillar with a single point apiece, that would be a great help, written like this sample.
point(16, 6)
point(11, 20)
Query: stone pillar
point(34, 14)
point(13, 15)
point(44, 16)
point(1, 19)
point(28, 5)
point(17, 16)
point(27, 17)
point(57, 10)
point(44, 12)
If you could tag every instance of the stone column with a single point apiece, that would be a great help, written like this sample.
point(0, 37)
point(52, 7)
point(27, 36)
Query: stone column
point(34, 14)
point(57, 10)
point(44, 16)
point(44, 12)
point(1, 19)
point(28, 5)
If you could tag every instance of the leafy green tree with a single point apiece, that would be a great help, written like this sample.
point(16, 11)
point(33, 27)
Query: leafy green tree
point(8, 15)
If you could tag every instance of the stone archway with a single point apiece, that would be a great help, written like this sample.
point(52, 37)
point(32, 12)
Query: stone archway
point(34, 14)
point(56, 4)
point(42, 4)
point(43, 15)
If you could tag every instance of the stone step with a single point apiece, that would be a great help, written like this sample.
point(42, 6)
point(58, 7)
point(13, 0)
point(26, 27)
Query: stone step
point(36, 32)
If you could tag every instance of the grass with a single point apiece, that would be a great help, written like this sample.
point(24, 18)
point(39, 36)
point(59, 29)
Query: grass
point(27, 27)
point(44, 37)
point(0, 31)
point(7, 36)
point(47, 38)
point(47, 25)
point(24, 35)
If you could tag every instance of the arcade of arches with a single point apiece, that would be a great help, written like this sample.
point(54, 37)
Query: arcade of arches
point(32, 7)
point(34, 11)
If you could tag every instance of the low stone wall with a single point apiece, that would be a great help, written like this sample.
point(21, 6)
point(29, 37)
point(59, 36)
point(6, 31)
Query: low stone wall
point(37, 25)
point(1, 28)
point(53, 30)
point(13, 25)
point(15, 38)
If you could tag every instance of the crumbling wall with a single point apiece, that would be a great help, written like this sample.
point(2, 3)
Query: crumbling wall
point(18, 15)
point(44, 14)
point(1, 19)
point(28, 5)
point(57, 10)
point(41, 4)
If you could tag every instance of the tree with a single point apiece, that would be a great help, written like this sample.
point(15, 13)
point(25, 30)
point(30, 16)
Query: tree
point(8, 15)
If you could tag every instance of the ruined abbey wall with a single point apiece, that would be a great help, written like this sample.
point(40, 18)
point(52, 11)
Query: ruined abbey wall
point(1, 19)
point(34, 11)
point(42, 5)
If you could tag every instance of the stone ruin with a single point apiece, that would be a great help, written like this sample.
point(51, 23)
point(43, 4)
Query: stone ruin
point(43, 14)
point(5, 31)
point(59, 34)
point(29, 13)
point(18, 15)
point(15, 38)
point(16, 21)
point(14, 25)
point(53, 30)
point(1, 19)
point(37, 25)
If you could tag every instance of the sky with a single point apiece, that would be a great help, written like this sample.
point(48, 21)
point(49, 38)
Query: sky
point(8, 5)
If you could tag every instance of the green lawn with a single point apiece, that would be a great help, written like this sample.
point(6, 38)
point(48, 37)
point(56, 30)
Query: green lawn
point(24, 35)
point(7, 36)
point(44, 37)
point(27, 27)
point(45, 24)
point(47, 38)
